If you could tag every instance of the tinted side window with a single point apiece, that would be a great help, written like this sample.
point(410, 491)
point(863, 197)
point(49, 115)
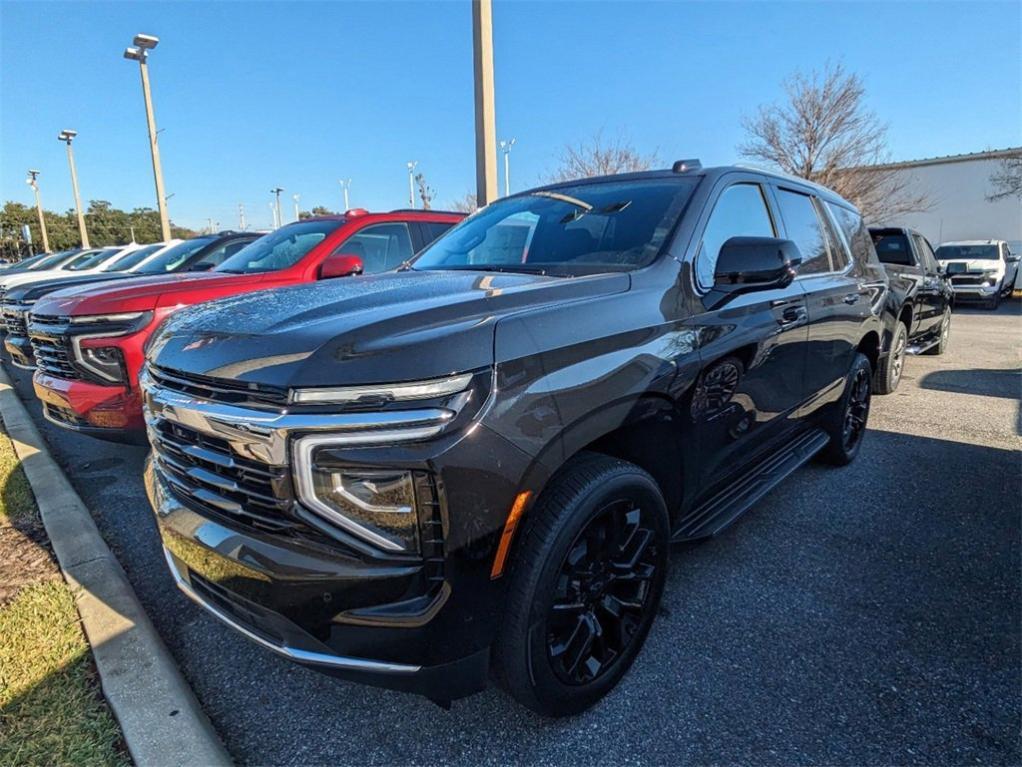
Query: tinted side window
point(855, 233)
point(894, 249)
point(926, 253)
point(803, 227)
point(381, 247)
point(740, 211)
point(218, 255)
point(432, 230)
point(839, 254)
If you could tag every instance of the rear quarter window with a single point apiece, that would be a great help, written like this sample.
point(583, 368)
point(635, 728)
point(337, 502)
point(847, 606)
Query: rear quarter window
point(855, 233)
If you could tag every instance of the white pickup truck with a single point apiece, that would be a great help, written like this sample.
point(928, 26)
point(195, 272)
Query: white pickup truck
point(980, 270)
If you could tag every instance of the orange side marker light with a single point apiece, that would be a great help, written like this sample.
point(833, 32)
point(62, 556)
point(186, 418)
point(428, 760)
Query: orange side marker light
point(509, 532)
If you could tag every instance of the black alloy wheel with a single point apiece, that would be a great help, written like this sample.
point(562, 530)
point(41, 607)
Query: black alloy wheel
point(602, 593)
point(856, 410)
point(846, 422)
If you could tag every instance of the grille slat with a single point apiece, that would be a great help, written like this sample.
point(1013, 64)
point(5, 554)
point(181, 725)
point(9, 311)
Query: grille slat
point(53, 356)
point(217, 389)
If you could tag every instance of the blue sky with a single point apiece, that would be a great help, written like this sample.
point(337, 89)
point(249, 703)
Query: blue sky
point(251, 96)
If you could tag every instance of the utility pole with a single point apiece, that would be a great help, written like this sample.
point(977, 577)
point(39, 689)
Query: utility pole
point(411, 182)
point(345, 184)
point(209, 221)
point(278, 219)
point(485, 119)
point(140, 53)
point(241, 216)
point(67, 136)
point(298, 213)
point(506, 146)
point(31, 181)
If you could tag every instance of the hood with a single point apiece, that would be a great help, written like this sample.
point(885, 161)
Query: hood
point(143, 294)
point(392, 327)
point(35, 290)
point(23, 278)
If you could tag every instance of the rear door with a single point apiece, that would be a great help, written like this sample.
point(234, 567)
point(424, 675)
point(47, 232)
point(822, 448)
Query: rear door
point(754, 345)
point(837, 296)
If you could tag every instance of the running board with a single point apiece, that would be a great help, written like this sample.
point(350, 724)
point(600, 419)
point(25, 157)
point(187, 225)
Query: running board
point(920, 348)
point(711, 517)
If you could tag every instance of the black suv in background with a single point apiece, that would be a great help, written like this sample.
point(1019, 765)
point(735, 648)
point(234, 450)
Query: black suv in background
point(475, 466)
point(919, 302)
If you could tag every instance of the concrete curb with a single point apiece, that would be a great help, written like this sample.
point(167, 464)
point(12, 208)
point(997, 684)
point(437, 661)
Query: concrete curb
point(162, 721)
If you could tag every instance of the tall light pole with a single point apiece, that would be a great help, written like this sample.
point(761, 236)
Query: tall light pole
point(298, 213)
point(140, 53)
point(31, 181)
point(506, 147)
point(278, 220)
point(411, 182)
point(241, 216)
point(486, 122)
point(345, 185)
point(67, 136)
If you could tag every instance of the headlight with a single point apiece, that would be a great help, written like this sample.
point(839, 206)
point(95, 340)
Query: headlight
point(436, 387)
point(107, 362)
point(376, 505)
point(89, 319)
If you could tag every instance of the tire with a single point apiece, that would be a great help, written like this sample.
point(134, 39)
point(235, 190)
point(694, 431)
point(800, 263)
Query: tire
point(945, 335)
point(846, 424)
point(561, 649)
point(994, 302)
point(889, 371)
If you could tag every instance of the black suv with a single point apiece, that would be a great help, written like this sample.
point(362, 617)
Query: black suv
point(919, 302)
point(476, 465)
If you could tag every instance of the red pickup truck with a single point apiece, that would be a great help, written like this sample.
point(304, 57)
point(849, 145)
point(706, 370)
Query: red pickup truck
point(89, 341)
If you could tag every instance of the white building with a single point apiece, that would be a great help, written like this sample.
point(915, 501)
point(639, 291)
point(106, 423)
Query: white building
point(957, 187)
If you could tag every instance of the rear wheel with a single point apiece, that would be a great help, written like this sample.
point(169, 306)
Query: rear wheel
point(945, 335)
point(846, 425)
point(586, 588)
point(889, 370)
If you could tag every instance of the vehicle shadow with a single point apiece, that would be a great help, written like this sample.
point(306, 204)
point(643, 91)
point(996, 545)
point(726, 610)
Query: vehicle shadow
point(1004, 383)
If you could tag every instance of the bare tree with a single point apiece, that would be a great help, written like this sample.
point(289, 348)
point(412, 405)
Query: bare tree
point(426, 192)
point(599, 157)
point(824, 132)
point(1007, 179)
point(466, 204)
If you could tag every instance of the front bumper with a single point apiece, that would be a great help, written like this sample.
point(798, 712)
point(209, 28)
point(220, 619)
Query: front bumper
point(112, 413)
point(315, 605)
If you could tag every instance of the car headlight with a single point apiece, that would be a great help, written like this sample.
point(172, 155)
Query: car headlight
point(102, 319)
point(107, 362)
point(414, 390)
point(376, 505)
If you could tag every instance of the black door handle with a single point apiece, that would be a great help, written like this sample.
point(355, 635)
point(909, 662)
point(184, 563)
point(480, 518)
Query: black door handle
point(851, 298)
point(792, 315)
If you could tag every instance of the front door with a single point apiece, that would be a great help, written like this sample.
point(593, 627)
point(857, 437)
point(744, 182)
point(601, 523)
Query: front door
point(754, 348)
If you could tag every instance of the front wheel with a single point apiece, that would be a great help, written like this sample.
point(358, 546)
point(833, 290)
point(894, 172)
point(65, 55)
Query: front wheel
point(846, 424)
point(586, 586)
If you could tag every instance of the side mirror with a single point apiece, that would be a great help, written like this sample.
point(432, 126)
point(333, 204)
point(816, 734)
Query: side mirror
point(1012, 258)
point(746, 264)
point(340, 265)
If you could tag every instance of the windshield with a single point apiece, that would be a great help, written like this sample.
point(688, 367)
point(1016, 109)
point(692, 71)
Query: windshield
point(135, 257)
point(95, 259)
point(981, 252)
point(587, 228)
point(54, 260)
point(174, 258)
point(280, 249)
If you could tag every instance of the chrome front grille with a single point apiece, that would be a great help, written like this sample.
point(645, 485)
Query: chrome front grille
point(53, 355)
point(217, 389)
point(14, 321)
point(203, 470)
point(968, 280)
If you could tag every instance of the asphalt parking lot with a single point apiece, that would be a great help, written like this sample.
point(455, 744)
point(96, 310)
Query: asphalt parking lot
point(869, 614)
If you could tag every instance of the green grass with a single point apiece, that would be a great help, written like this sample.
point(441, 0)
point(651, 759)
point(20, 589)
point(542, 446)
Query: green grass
point(51, 708)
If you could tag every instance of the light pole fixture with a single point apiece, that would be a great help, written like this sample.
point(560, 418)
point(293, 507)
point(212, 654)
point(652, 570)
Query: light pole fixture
point(506, 148)
point(298, 213)
point(67, 136)
point(140, 53)
point(278, 220)
point(411, 182)
point(31, 181)
point(345, 185)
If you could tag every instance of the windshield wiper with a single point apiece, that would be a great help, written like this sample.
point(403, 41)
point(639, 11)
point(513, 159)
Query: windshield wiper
point(502, 268)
